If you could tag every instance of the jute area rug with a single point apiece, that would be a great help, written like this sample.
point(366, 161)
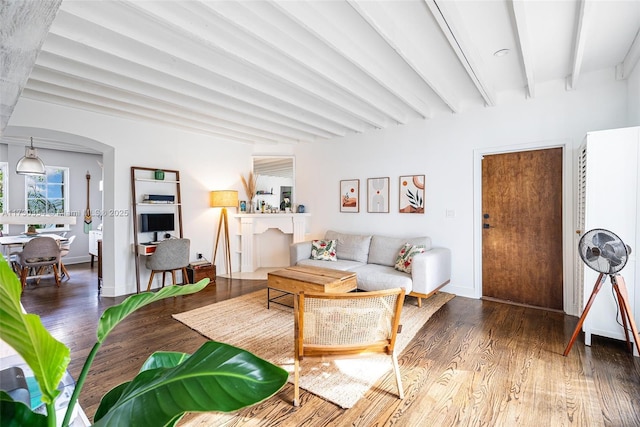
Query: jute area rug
point(245, 322)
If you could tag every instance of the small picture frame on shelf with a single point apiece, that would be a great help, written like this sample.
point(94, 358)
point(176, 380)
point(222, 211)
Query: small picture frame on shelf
point(243, 206)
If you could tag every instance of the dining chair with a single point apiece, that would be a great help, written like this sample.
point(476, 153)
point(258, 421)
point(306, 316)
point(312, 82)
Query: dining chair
point(37, 254)
point(65, 248)
point(170, 255)
point(335, 324)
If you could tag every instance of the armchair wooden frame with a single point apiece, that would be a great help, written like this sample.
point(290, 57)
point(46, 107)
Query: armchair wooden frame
point(335, 324)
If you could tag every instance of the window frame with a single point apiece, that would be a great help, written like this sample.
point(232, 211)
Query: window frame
point(64, 198)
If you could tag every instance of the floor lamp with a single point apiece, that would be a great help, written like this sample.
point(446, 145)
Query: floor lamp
point(223, 199)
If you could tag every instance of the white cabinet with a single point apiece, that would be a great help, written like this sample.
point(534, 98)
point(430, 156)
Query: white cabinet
point(608, 197)
point(94, 236)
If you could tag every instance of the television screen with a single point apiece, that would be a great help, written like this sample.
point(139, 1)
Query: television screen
point(157, 222)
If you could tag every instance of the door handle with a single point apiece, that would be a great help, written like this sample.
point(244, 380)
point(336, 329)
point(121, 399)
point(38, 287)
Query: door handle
point(485, 225)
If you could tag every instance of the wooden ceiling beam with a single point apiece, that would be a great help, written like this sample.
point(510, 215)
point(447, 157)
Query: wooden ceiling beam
point(72, 87)
point(631, 59)
point(108, 107)
point(248, 58)
point(404, 40)
point(189, 97)
point(285, 36)
point(451, 24)
point(524, 42)
point(584, 20)
point(181, 57)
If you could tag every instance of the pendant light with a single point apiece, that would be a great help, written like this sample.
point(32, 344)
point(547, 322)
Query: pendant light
point(30, 164)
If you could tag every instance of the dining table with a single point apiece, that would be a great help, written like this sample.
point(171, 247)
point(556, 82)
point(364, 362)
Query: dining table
point(19, 240)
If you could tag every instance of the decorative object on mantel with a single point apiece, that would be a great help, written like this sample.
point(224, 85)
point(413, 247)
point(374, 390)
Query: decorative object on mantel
point(30, 164)
point(350, 195)
point(250, 188)
point(300, 209)
point(159, 174)
point(412, 194)
point(223, 199)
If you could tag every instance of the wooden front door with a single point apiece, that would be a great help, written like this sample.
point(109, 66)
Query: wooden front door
point(522, 227)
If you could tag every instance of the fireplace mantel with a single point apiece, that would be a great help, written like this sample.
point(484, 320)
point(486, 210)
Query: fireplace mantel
point(252, 224)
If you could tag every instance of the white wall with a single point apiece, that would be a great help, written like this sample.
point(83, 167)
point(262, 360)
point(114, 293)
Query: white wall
point(634, 97)
point(443, 149)
point(204, 163)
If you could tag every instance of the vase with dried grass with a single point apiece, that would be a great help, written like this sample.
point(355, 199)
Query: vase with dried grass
point(250, 188)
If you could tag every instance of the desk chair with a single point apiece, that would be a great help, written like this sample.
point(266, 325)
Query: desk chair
point(65, 247)
point(346, 324)
point(170, 255)
point(37, 254)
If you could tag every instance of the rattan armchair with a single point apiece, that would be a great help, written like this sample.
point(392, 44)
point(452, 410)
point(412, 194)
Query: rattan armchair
point(170, 255)
point(346, 324)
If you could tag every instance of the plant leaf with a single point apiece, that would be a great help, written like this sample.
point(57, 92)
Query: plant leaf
point(217, 377)
point(47, 357)
point(114, 315)
point(18, 414)
point(164, 359)
point(159, 359)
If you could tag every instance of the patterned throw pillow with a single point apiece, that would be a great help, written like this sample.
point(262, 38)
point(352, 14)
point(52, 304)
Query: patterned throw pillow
point(324, 250)
point(405, 257)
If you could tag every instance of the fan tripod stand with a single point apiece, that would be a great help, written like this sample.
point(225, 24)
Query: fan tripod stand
point(620, 288)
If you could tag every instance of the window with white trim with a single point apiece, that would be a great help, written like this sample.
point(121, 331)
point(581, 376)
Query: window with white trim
point(47, 194)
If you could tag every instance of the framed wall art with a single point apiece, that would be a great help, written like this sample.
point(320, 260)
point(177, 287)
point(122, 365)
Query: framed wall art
point(378, 195)
point(350, 195)
point(412, 194)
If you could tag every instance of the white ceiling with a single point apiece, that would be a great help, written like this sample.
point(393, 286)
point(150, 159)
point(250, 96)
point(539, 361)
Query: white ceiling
point(295, 71)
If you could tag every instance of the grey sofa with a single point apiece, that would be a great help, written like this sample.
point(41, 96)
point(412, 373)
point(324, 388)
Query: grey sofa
point(372, 258)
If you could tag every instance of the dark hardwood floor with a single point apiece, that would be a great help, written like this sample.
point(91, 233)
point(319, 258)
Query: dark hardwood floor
point(475, 363)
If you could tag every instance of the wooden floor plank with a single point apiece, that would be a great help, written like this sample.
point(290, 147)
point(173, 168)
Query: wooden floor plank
point(474, 363)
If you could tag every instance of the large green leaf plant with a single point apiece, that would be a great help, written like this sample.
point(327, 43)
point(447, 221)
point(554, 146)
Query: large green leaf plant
point(217, 377)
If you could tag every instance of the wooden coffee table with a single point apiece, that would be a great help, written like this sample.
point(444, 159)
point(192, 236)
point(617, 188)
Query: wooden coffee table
point(304, 278)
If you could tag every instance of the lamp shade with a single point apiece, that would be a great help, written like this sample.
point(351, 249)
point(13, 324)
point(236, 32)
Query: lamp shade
point(30, 164)
point(224, 199)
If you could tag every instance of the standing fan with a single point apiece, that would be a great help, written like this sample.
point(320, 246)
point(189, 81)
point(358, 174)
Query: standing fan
point(603, 251)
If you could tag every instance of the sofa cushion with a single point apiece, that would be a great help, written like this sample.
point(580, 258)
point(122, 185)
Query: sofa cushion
point(404, 261)
point(374, 277)
point(351, 246)
point(340, 264)
point(384, 250)
point(324, 250)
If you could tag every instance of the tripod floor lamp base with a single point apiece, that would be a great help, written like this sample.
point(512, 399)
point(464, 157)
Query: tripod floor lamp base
point(223, 199)
point(628, 321)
